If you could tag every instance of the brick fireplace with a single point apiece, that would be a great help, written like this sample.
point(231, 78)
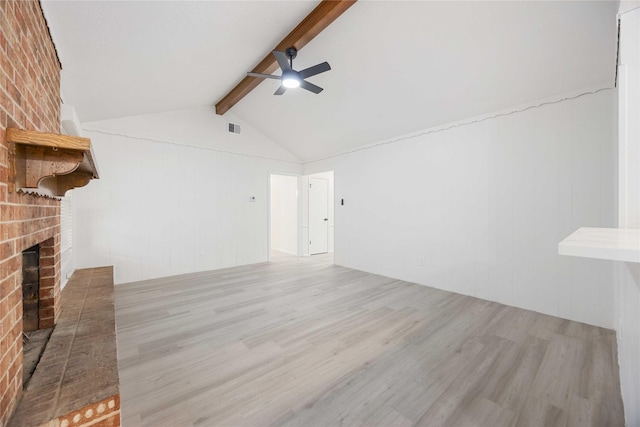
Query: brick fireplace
point(29, 99)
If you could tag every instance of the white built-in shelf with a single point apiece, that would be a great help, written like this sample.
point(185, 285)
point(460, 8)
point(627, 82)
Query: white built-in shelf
point(617, 244)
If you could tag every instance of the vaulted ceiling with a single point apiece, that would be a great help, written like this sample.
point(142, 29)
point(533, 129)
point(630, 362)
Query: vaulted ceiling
point(397, 67)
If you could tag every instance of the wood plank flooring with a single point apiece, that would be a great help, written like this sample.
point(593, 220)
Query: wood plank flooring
point(301, 342)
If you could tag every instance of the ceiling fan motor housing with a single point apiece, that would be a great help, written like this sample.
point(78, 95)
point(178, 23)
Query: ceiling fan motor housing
point(291, 52)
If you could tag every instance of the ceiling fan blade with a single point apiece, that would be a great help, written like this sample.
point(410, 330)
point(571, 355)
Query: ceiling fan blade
point(280, 90)
point(316, 69)
point(310, 87)
point(283, 60)
point(263, 76)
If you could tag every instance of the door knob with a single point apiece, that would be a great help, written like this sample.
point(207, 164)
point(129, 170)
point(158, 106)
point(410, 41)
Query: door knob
point(326, 219)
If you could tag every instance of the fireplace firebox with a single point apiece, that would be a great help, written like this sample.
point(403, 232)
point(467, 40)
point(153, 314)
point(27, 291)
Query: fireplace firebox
point(31, 288)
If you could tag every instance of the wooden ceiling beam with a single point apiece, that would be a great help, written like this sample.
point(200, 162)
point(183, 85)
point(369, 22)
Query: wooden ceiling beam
point(319, 19)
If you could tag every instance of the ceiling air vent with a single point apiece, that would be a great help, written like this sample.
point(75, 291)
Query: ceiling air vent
point(233, 127)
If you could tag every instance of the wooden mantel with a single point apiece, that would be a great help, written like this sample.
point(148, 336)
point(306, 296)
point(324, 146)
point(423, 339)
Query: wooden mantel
point(49, 161)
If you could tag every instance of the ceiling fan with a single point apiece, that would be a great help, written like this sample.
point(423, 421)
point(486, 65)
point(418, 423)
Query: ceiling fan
point(291, 78)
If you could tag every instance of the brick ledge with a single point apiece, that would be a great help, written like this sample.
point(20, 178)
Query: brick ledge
point(78, 370)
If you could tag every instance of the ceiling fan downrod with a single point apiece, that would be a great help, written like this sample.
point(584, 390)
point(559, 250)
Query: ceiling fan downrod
point(291, 52)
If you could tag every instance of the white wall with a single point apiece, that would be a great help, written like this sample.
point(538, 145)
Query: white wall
point(284, 214)
point(484, 205)
point(328, 175)
point(173, 197)
point(627, 308)
point(67, 258)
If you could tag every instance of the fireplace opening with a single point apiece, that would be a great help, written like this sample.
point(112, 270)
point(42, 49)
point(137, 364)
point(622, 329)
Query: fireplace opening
point(31, 288)
point(34, 339)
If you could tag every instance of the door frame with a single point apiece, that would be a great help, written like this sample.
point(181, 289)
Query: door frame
point(298, 213)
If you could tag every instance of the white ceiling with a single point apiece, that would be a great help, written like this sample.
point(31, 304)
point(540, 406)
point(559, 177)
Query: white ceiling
point(124, 58)
point(397, 67)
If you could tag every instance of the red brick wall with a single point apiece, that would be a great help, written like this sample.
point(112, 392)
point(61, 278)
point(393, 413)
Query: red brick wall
point(29, 99)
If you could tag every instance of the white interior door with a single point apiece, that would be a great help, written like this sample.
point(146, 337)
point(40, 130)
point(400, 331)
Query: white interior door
point(318, 216)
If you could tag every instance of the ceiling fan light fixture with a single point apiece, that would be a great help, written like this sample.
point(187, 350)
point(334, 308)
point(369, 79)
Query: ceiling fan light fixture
point(290, 79)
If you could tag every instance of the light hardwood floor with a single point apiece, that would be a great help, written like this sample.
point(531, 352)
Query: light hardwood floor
point(301, 342)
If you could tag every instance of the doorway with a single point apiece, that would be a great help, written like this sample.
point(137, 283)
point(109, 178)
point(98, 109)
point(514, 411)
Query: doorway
point(283, 214)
